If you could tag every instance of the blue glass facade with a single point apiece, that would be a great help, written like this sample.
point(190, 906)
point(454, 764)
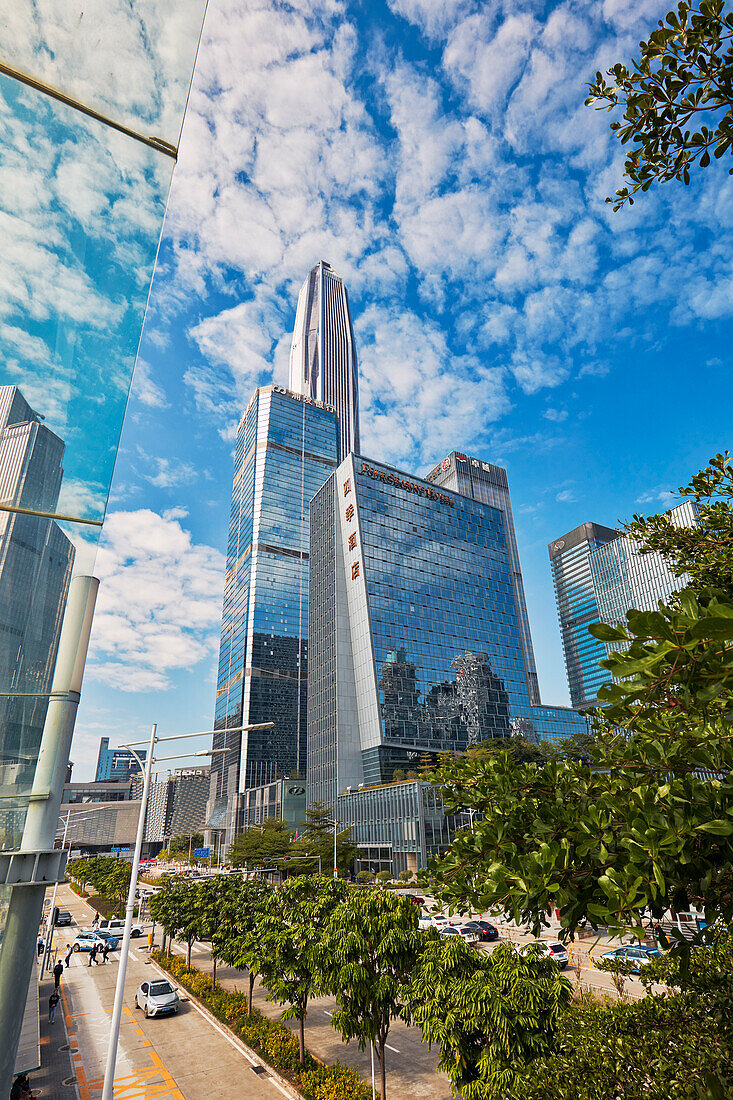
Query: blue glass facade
point(415, 637)
point(577, 608)
point(116, 765)
point(287, 446)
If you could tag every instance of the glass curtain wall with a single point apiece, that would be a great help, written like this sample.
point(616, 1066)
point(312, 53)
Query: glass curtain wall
point(92, 99)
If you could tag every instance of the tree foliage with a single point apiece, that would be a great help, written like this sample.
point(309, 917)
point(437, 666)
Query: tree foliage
point(489, 1014)
point(269, 841)
point(315, 838)
point(109, 876)
point(291, 924)
point(366, 958)
point(677, 98)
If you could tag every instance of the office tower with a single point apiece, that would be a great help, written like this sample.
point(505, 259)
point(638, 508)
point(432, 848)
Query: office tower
point(598, 576)
point(488, 483)
point(36, 561)
point(577, 607)
point(623, 578)
point(415, 646)
point(323, 353)
point(116, 765)
point(287, 445)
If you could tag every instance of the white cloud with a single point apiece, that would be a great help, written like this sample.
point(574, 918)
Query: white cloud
point(159, 602)
point(433, 17)
point(167, 473)
point(145, 389)
point(565, 496)
point(557, 416)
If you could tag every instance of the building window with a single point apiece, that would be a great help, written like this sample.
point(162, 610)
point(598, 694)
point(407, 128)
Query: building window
point(350, 513)
point(354, 570)
point(352, 541)
point(347, 486)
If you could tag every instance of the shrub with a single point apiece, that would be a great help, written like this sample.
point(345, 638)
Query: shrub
point(364, 877)
point(333, 1083)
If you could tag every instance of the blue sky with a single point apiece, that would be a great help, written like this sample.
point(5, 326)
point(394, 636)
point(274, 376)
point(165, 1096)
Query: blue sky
point(440, 157)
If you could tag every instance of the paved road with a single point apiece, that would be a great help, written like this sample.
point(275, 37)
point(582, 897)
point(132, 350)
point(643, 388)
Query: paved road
point(183, 1057)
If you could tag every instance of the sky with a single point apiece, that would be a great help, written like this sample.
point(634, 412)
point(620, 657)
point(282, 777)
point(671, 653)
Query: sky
point(438, 154)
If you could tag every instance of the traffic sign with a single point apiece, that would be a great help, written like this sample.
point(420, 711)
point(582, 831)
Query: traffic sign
point(201, 853)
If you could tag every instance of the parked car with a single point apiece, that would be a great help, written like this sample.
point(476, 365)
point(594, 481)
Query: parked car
point(108, 937)
point(439, 922)
point(482, 929)
point(85, 941)
point(448, 930)
point(117, 924)
point(637, 955)
point(556, 950)
point(489, 932)
point(416, 898)
point(63, 917)
point(425, 922)
point(157, 998)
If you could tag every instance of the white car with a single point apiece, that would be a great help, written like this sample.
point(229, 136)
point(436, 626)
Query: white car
point(556, 950)
point(157, 998)
point(117, 925)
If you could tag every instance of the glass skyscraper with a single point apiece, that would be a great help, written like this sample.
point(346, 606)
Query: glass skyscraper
point(116, 765)
point(287, 446)
point(577, 607)
point(415, 645)
point(598, 576)
point(488, 483)
point(36, 560)
point(323, 354)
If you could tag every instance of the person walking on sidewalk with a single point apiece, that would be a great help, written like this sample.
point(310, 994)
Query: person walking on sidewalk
point(105, 951)
point(93, 955)
point(57, 972)
point(53, 1000)
point(95, 922)
point(67, 957)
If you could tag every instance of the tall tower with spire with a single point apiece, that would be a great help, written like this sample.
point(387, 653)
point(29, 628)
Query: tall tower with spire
point(323, 353)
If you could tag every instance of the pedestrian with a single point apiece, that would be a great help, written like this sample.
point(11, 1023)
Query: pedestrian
point(53, 1000)
point(57, 972)
point(105, 951)
point(95, 922)
point(69, 951)
point(40, 943)
point(21, 1089)
point(93, 954)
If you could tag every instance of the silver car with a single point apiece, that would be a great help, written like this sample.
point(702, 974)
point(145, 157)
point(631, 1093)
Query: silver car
point(157, 998)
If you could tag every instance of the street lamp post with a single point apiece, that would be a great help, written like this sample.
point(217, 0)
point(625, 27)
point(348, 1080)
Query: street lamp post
point(114, 1036)
point(49, 927)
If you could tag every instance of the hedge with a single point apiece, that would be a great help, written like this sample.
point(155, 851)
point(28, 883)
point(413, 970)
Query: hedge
point(271, 1039)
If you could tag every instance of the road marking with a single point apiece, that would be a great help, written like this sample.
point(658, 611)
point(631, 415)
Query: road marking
point(132, 955)
point(391, 1048)
point(327, 1012)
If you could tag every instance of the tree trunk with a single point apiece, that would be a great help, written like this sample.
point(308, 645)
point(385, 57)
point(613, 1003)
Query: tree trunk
point(382, 1068)
point(162, 946)
point(251, 987)
point(213, 976)
point(301, 1038)
point(188, 955)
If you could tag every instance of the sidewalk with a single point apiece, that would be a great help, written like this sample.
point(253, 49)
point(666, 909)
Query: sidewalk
point(56, 1079)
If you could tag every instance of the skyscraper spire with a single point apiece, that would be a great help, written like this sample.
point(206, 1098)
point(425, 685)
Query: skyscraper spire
point(323, 354)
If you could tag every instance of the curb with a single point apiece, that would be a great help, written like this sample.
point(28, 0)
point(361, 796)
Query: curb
point(250, 1055)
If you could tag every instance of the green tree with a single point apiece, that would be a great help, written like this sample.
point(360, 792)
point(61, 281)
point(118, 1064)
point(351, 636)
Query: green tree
point(364, 877)
point(173, 907)
point(383, 877)
point(641, 829)
point(269, 841)
point(238, 939)
point(315, 838)
point(682, 78)
point(366, 958)
point(180, 845)
point(292, 922)
point(490, 1014)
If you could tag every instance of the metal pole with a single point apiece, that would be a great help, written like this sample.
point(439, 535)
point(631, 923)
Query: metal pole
point(371, 1048)
point(114, 1034)
point(19, 949)
point(335, 863)
point(49, 930)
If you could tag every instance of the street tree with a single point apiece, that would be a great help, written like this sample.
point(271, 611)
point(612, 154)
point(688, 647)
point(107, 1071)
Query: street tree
point(489, 1014)
point(366, 958)
point(677, 97)
point(170, 907)
point(238, 940)
point(218, 910)
point(292, 922)
point(315, 838)
point(641, 828)
point(269, 841)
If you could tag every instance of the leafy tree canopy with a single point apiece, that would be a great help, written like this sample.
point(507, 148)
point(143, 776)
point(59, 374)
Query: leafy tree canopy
point(270, 840)
point(677, 98)
point(315, 838)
